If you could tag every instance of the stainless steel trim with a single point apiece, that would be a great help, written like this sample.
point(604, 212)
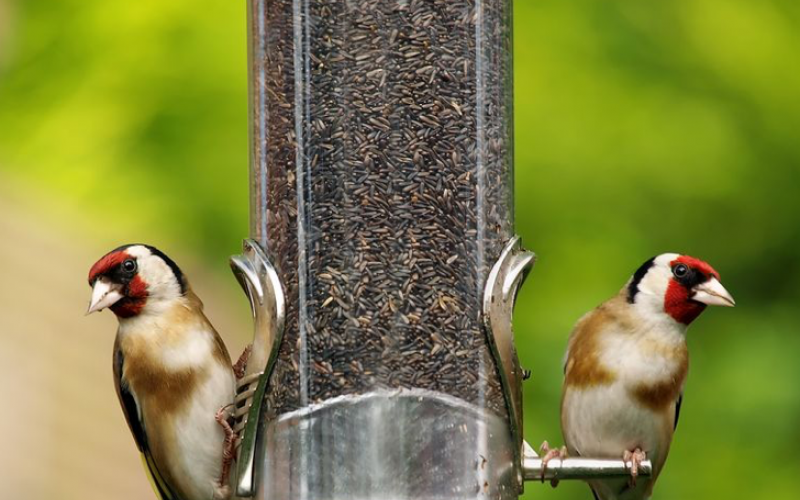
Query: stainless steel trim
point(402, 444)
point(263, 287)
point(499, 297)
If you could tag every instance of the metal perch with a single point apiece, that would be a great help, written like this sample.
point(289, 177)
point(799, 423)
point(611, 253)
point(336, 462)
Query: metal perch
point(578, 468)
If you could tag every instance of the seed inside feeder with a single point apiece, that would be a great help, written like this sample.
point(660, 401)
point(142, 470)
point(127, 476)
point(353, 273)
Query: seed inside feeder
point(384, 129)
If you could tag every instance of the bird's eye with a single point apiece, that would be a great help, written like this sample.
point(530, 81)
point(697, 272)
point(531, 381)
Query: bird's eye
point(680, 271)
point(129, 266)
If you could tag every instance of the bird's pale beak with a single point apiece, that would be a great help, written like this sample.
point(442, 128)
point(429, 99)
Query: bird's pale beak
point(104, 294)
point(713, 293)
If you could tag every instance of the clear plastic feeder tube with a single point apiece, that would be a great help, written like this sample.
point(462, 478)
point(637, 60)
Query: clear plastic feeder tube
point(381, 181)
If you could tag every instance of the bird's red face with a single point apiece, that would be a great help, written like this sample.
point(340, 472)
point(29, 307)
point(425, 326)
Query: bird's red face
point(117, 284)
point(678, 285)
point(132, 279)
point(694, 285)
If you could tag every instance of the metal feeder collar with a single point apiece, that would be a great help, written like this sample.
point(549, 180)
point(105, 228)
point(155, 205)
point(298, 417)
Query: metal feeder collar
point(259, 280)
point(383, 266)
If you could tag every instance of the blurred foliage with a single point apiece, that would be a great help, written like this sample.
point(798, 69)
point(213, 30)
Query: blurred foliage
point(642, 127)
point(136, 110)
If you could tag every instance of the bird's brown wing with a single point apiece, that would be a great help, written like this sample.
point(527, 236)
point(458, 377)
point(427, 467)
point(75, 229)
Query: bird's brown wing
point(221, 352)
point(133, 416)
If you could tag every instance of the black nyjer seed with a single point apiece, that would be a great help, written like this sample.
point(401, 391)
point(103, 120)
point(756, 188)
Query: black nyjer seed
point(382, 190)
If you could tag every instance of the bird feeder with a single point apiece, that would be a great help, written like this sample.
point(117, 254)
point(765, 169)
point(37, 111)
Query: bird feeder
point(383, 267)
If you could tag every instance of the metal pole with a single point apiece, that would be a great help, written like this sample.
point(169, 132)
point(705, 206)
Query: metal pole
point(576, 468)
point(579, 468)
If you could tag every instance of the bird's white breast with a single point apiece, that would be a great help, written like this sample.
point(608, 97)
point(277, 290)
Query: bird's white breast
point(603, 421)
point(191, 440)
point(642, 358)
point(186, 354)
point(199, 437)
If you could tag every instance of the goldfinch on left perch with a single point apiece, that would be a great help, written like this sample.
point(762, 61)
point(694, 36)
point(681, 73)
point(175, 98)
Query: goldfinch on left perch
point(172, 372)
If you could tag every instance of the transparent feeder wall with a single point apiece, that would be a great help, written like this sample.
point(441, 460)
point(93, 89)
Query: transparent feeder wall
point(382, 192)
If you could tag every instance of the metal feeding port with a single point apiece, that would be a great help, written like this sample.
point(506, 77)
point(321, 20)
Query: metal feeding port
point(262, 285)
point(383, 266)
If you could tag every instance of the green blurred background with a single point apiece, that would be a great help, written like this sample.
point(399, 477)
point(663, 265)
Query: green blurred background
point(641, 127)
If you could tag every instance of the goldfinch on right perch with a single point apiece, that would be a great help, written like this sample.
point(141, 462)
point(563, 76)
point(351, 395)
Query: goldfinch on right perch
point(626, 365)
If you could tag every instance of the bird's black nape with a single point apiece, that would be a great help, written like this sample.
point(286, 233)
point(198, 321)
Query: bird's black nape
point(633, 288)
point(172, 265)
point(169, 262)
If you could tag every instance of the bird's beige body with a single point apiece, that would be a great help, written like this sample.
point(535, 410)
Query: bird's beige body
point(172, 372)
point(624, 374)
point(178, 371)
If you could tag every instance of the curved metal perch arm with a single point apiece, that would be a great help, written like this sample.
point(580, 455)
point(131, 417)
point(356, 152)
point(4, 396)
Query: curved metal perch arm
point(263, 287)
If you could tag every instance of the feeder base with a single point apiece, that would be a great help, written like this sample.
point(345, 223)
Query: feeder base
point(388, 445)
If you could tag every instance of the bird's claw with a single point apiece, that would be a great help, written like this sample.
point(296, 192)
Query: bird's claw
point(635, 458)
point(241, 364)
point(228, 447)
point(549, 454)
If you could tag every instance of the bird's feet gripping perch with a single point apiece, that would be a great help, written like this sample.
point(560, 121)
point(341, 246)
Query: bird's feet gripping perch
point(222, 417)
point(222, 491)
point(549, 454)
point(635, 458)
point(241, 363)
